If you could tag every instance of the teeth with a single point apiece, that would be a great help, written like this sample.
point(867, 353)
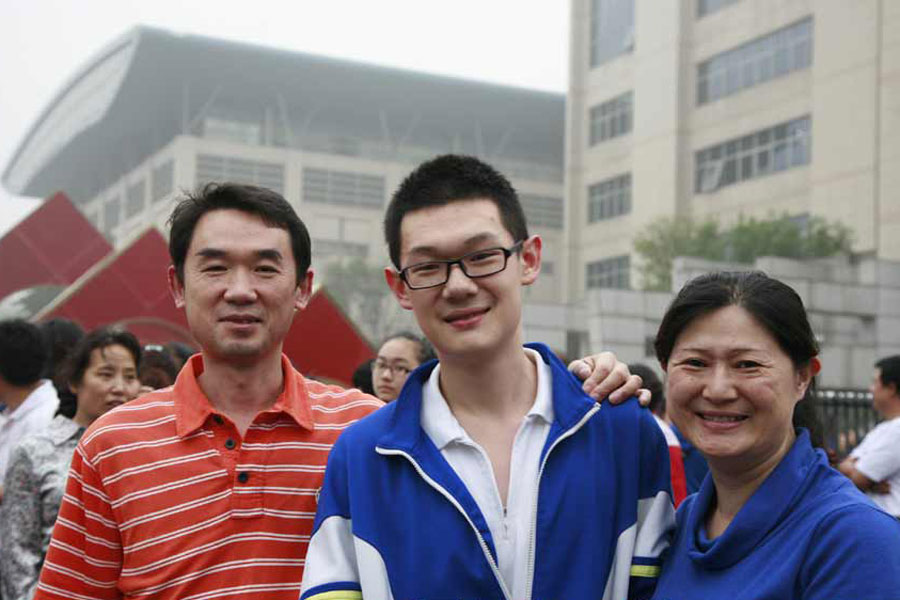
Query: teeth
point(717, 419)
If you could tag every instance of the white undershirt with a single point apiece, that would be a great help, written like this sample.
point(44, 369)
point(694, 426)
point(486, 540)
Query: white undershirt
point(511, 531)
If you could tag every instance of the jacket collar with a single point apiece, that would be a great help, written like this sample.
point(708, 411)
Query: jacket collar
point(193, 408)
point(763, 512)
point(404, 432)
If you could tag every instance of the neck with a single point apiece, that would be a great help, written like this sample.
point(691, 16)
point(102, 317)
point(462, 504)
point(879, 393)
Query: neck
point(501, 385)
point(14, 396)
point(241, 391)
point(892, 411)
point(736, 482)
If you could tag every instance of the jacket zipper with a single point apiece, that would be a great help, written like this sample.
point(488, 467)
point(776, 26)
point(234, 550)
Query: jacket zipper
point(484, 547)
point(533, 533)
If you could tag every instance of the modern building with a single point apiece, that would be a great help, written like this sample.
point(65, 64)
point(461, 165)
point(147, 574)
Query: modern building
point(724, 108)
point(157, 112)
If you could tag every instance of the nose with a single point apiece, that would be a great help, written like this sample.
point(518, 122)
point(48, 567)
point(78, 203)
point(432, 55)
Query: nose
point(719, 386)
point(118, 384)
point(239, 287)
point(458, 283)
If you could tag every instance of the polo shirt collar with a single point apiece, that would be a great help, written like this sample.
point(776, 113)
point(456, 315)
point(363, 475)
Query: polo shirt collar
point(193, 408)
point(441, 425)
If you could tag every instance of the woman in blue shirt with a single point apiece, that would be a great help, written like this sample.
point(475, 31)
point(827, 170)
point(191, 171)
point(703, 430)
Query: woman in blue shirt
point(773, 519)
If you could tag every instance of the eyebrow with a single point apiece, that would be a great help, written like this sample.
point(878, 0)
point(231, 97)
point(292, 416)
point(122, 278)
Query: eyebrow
point(470, 241)
point(266, 253)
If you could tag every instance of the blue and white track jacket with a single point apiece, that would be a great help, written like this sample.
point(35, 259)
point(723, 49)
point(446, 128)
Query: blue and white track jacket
point(395, 522)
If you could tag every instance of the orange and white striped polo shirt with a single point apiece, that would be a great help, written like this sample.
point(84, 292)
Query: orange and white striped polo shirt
point(166, 500)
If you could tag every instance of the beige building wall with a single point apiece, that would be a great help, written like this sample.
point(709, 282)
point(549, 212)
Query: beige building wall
point(851, 92)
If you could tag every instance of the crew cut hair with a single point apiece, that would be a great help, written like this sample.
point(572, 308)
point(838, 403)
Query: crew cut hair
point(890, 371)
point(266, 204)
point(452, 178)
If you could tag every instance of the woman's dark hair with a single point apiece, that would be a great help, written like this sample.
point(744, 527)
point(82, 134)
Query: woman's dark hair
point(652, 383)
point(158, 369)
point(425, 352)
point(80, 358)
point(773, 304)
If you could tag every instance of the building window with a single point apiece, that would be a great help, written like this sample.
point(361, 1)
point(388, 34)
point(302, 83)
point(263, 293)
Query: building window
point(612, 29)
point(611, 118)
point(229, 130)
point(343, 188)
point(609, 273)
point(163, 180)
point(112, 213)
point(610, 198)
point(134, 199)
point(704, 7)
point(543, 211)
point(225, 168)
point(779, 53)
point(771, 150)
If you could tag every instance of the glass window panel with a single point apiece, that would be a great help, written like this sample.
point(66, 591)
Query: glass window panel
point(780, 161)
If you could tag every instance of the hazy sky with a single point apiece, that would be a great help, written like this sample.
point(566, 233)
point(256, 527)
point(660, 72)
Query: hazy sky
point(43, 42)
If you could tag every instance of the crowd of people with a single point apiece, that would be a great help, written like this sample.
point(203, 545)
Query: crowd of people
point(491, 472)
point(55, 381)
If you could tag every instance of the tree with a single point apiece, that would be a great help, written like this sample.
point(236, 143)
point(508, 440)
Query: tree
point(748, 239)
point(361, 292)
point(666, 238)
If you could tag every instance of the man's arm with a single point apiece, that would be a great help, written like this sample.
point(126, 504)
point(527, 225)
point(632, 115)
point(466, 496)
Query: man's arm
point(656, 514)
point(331, 569)
point(85, 555)
point(859, 479)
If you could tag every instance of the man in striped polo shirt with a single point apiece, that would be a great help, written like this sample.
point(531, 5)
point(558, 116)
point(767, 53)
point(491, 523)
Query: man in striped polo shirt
point(207, 489)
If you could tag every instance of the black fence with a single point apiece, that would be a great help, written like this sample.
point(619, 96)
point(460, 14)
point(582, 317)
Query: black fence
point(847, 416)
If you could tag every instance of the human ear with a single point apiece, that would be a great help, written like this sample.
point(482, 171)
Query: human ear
point(530, 255)
point(176, 287)
point(398, 287)
point(304, 290)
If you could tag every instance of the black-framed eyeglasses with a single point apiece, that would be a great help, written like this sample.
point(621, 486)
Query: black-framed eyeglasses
point(481, 263)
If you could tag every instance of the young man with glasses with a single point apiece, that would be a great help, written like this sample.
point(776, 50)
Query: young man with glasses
point(493, 475)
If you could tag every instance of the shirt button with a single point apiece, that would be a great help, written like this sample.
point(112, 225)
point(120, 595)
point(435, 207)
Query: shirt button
point(243, 476)
point(229, 443)
point(218, 419)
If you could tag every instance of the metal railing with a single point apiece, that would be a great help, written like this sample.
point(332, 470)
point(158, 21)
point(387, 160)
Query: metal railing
point(847, 416)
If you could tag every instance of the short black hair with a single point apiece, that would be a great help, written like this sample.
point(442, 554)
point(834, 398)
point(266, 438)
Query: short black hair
point(890, 371)
point(425, 351)
point(773, 304)
point(450, 178)
point(266, 204)
point(652, 383)
point(23, 352)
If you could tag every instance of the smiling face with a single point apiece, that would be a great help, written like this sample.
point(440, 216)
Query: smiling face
point(109, 380)
point(465, 318)
point(240, 291)
point(396, 358)
point(731, 389)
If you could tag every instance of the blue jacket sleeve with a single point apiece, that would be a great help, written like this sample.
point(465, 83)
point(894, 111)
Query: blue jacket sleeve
point(656, 513)
point(331, 569)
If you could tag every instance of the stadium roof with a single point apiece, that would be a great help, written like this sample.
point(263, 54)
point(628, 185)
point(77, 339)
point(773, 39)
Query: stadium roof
point(151, 85)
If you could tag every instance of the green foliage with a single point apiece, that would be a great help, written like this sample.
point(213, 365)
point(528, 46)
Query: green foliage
point(666, 238)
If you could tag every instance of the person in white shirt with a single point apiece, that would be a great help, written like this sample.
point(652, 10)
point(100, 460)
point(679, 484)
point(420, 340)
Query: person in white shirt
point(29, 401)
point(874, 465)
